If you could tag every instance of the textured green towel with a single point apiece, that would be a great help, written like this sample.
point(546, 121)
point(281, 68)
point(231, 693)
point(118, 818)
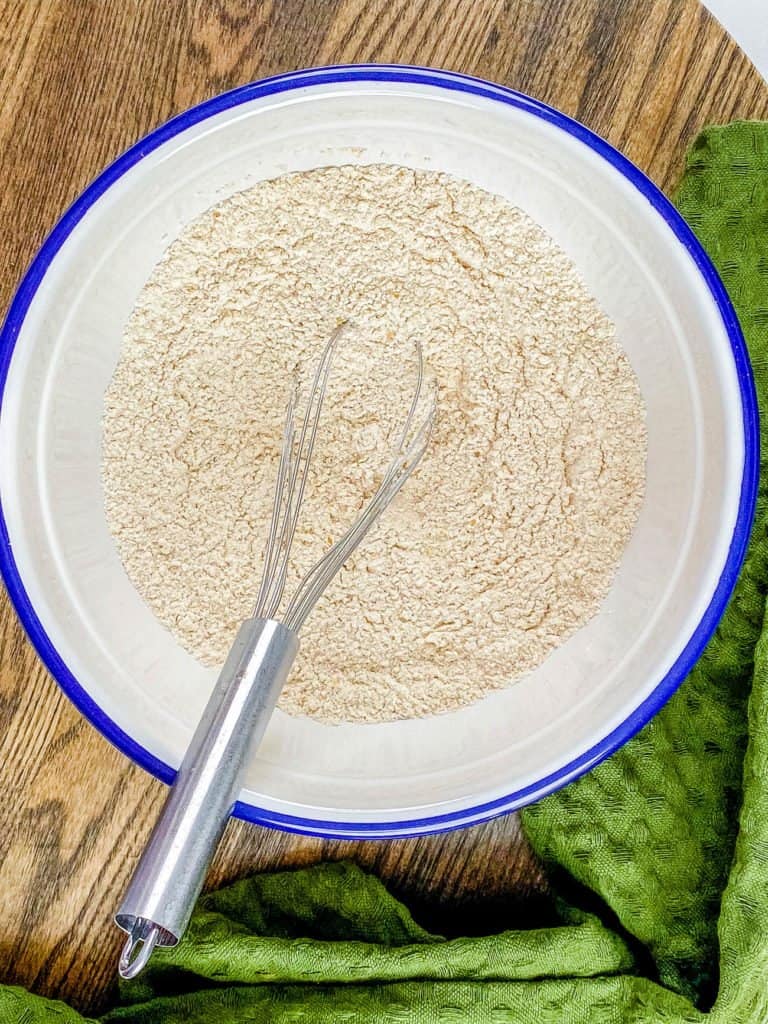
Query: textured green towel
point(668, 838)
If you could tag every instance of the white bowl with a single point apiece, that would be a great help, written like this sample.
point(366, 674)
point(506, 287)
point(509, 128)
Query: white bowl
point(61, 341)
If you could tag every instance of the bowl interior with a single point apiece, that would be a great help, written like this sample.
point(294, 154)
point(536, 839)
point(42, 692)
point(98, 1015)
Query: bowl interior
point(667, 321)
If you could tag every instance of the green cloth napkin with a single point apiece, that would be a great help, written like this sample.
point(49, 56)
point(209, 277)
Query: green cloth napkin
point(665, 844)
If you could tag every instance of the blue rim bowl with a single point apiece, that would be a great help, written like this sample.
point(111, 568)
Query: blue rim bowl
point(461, 84)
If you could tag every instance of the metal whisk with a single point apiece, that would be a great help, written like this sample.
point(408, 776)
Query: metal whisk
point(167, 881)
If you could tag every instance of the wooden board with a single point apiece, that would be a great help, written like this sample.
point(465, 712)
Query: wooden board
point(80, 81)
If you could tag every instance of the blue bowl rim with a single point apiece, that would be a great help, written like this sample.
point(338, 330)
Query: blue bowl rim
point(461, 83)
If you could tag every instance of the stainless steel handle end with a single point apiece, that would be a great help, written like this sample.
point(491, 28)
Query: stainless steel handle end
point(160, 898)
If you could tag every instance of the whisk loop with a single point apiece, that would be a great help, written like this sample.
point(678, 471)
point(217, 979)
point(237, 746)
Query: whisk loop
point(292, 476)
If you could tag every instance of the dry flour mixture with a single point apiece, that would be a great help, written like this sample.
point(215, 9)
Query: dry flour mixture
point(507, 538)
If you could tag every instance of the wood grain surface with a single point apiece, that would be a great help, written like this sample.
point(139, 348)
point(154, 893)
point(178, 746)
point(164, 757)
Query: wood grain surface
point(79, 81)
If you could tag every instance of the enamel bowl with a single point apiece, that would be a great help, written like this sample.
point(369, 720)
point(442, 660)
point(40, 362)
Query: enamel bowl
point(61, 341)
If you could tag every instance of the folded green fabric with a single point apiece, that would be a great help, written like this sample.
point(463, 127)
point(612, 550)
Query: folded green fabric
point(667, 841)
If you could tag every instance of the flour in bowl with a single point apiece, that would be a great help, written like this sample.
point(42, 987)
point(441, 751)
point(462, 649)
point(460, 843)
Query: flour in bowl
point(507, 538)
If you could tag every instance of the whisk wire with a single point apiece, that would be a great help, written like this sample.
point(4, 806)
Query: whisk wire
point(283, 471)
point(317, 579)
point(402, 464)
point(293, 469)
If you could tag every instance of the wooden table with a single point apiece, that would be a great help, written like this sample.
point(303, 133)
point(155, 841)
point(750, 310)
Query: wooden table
point(81, 81)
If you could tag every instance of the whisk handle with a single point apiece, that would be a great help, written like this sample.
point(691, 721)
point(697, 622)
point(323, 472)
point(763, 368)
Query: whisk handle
point(170, 874)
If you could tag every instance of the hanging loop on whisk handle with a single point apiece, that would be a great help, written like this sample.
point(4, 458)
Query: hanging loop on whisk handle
point(168, 879)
